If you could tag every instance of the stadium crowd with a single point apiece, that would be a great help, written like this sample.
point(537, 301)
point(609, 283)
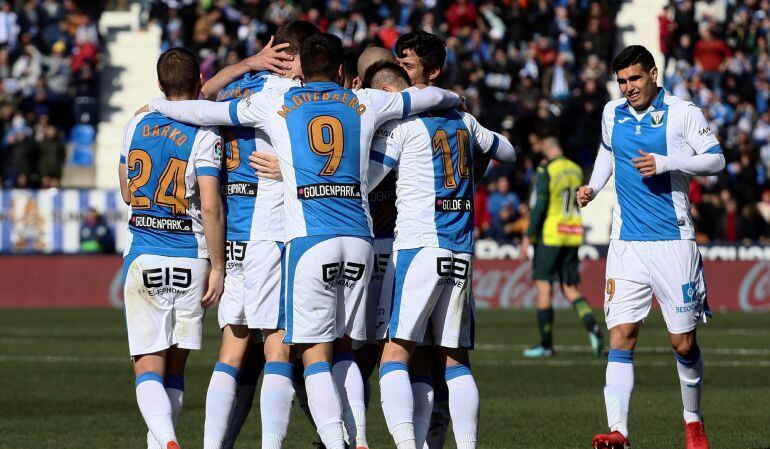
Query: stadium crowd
point(49, 65)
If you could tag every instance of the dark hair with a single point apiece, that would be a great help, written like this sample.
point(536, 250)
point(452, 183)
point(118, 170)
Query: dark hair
point(385, 72)
point(295, 33)
point(321, 56)
point(631, 55)
point(349, 63)
point(428, 47)
point(178, 71)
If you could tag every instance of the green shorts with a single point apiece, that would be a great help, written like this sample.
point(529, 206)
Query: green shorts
point(556, 263)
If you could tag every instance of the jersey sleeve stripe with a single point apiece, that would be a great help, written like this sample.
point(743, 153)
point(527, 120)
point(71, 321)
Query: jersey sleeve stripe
point(207, 171)
point(383, 159)
point(606, 147)
point(234, 113)
point(716, 149)
point(122, 159)
point(407, 104)
point(495, 144)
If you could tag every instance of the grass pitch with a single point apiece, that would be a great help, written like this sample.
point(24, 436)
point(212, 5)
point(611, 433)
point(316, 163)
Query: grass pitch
point(66, 383)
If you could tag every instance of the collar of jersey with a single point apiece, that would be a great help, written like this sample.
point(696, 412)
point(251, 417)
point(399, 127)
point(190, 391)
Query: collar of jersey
point(323, 84)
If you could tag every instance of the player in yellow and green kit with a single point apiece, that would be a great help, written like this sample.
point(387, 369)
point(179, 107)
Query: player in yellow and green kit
point(556, 229)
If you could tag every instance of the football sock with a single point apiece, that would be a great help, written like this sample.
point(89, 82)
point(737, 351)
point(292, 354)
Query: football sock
point(155, 407)
point(300, 391)
point(586, 314)
point(439, 419)
point(397, 403)
point(367, 392)
point(175, 391)
point(350, 385)
point(545, 325)
point(324, 403)
point(422, 392)
point(244, 398)
point(463, 405)
point(618, 388)
point(275, 403)
point(219, 404)
point(690, 371)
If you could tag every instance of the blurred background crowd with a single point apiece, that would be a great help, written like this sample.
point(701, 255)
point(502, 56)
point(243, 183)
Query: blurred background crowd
point(532, 68)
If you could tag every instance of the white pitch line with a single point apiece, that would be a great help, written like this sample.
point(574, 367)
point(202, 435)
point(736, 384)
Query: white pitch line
point(640, 350)
point(637, 363)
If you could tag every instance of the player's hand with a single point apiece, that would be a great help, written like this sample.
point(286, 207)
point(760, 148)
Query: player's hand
point(143, 109)
point(524, 249)
point(272, 58)
point(584, 195)
point(645, 164)
point(215, 288)
point(266, 165)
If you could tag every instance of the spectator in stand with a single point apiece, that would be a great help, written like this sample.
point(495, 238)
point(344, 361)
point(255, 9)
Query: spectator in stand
point(51, 153)
point(501, 197)
point(710, 55)
point(502, 229)
point(95, 235)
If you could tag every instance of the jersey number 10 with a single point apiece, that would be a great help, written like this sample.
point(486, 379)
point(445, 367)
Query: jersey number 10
point(172, 177)
point(440, 143)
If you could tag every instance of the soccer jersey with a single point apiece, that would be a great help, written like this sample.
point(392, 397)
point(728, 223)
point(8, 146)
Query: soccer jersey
point(322, 133)
point(254, 206)
point(433, 157)
point(657, 207)
point(164, 159)
point(555, 218)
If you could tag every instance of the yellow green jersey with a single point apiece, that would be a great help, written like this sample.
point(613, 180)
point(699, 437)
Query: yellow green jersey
point(555, 218)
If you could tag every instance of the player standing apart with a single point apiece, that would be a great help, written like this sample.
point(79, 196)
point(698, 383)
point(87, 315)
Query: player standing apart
point(430, 281)
point(169, 174)
point(654, 142)
point(322, 134)
point(557, 229)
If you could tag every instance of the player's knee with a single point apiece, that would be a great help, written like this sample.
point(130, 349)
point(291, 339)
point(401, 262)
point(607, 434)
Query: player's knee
point(276, 351)
point(685, 344)
point(397, 351)
point(624, 337)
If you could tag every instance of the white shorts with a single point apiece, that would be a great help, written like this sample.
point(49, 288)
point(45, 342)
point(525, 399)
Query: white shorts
point(670, 269)
point(253, 290)
point(162, 297)
point(431, 286)
point(377, 305)
point(326, 280)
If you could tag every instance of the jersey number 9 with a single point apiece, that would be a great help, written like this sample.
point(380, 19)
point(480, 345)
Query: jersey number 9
point(172, 178)
point(326, 138)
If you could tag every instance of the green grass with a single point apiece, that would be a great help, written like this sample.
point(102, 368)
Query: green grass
point(66, 382)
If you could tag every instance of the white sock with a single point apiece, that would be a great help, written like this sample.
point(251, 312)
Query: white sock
point(397, 403)
point(463, 405)
point(175, 391)
point(219, 404)
point(422, 392)
point(350, 385)
point(275, 401)
point(155, 407)
point(325, 406)
point(618, 388)
point(691, 382)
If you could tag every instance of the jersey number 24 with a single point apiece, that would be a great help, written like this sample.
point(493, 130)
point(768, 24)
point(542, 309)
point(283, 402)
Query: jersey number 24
point(172, 178)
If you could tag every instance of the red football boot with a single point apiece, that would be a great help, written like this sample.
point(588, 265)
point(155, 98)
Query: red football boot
point(172, 445)
point(612, 440)
point(696, 436)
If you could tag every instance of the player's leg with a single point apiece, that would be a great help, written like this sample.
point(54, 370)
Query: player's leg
point(570, 279)
point(421, 376)
point(176, 359)
point(277, 390)
point(463, 397)
point(679, 285)
point(248, 378)
point(313, 267)
point(396, 392)
point(544, 271)
point(148, 309)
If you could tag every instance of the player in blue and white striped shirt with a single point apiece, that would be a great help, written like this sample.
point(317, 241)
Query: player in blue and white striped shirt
point(654, 143)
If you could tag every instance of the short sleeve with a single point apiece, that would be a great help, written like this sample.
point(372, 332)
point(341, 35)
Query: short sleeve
point(486, 140)
point(208, 153)
point(697, 132)
point(387, 144)
point(128, 136)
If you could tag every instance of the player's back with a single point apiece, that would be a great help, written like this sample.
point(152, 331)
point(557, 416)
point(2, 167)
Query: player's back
point(254, 206)
point(563, 224)
point(435, 186)
point(162, 164)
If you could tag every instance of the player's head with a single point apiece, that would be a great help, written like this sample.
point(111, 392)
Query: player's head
point(551, 148)
point(369, 57)
point(387, 76)
point(179, 74)
point(295, 33)
point(637, 76)
point(350, 73)
point(422, 54)
point(321, 58)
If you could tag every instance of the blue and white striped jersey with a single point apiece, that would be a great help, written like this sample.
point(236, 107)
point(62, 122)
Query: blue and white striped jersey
point(164, 159)
point(657, 207)
point(432, 155)
point(254, 206)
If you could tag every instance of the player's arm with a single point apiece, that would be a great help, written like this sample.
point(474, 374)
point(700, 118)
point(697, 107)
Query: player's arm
point(267, 165)
point(539, 211)
point(207, 166)
point(603, 166)
point(272, 58)
point(497, 146)
point(390, 106)
point(387, 144)
point(122, 175)
point(125, 143)
point(246, 112)
point(707, 160)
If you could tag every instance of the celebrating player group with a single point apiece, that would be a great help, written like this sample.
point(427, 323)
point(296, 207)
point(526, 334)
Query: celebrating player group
point(325, 204)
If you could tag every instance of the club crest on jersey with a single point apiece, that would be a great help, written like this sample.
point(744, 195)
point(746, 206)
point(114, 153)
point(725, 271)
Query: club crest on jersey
point(657, 118)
